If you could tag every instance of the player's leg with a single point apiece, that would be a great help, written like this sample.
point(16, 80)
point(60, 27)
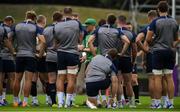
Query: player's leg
point(61, 78)
point(164, 93)
point(18, 77)
point(157, 61)
point(169, 66)
point(30, 69)
point(72, 70)
point(52, 75)
point(1, 87)
point(34, 89)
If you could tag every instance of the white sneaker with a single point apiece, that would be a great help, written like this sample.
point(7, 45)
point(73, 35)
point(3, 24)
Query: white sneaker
point(120, 104)
point(114, 105)
point(132, 106)
point(158, 106)
point(90, 105)
point(60, 105)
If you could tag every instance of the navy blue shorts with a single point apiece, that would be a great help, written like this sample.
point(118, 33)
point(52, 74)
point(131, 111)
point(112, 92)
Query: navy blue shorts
point(1, 65)
point(125, 65)
point(149, 62)
point(51, 66)
point(8, 66)
point(25, 64)
point(41, 65)
point(92, 88)
point(163, 59)
point(67, 59)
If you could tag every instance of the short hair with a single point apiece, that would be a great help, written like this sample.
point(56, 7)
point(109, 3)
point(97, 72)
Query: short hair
point(9, 18)
point(111, 19)
point(122, 19)
point(57, 16)
point(40, 18)
point(67, 11)
point(112, 53)
point(152, 13)
point(31, 15)
point(101, 22)
point(163, 6)
point(75, 14)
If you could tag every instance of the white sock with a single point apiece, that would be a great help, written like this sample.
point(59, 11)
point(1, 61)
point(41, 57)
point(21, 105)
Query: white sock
point(4, 94)
point(98, 99)
point(26, 99)
point(164, 99)
point(171, 101)
point(1, 98)
point(60, 96)
point(122, 97)
point(131, 100)
point(73, 97)
point(157, 101)
point(153, 101)
point(103, 97)
point(68, 99)
point(16, 99)
point(34, 98)
point(47, 98)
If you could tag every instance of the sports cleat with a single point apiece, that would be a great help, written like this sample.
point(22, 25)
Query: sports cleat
point(35, 104)
point(5, 102)
point(2, 104)
point(158, 106)
point(114, 105)
point(60, 106)
point(24, 104)
point(120, 104)
point(54, 106)
point(15, 104)
point(132, 106)
point(152, 106)
point(170, 106)
point(104, 104)
point(90, 105)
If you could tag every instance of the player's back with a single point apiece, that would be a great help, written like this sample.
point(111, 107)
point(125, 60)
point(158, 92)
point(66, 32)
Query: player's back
point(108, 37)
point(26, 33)
point(165, 31)
point(67, 33)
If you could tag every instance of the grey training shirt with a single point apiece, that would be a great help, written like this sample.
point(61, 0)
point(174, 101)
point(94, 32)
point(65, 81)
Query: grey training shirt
point(99, 68)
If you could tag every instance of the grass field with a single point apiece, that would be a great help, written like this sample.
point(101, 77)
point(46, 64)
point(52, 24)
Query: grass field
point(79, 100)
point(18, 12)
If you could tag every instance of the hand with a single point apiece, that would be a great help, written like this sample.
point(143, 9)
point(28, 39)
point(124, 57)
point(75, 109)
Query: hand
point(80, 47)
point(82, 59)
point(143, 64)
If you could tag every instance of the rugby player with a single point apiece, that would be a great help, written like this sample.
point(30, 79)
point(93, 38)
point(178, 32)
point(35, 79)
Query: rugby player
point(26, 33)
point(165, 29)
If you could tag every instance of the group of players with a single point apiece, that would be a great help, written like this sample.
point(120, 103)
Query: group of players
point(55, 52)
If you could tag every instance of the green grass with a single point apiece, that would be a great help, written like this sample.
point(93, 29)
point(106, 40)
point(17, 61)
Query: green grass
point(18, 12)
point(79, 100)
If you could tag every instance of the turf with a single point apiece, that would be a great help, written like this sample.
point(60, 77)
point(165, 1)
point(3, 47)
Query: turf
point(79, 100)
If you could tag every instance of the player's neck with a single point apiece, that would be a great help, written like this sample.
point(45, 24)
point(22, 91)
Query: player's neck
point(163, 14)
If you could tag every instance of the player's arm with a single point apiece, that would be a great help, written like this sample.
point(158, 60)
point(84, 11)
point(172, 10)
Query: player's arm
point(176, 40)
point(139, 40)
point(126, 42)
point(148, 40)
point(91, 45)
point(42, 42)
point(134, 52)
point(9, 45)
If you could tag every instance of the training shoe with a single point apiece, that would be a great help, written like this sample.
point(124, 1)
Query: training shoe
point(152, 106)
point(158, 106)
point(15, 104)
point(90, 105)
point(104, 103)
point(170, 106)
point(5, 102)
point(2, 104)
point(114, 105)
point(35, 104)
point(132, 106)
point(54, 106)
point(120, 104)
point(60, 106)
point(24, 104)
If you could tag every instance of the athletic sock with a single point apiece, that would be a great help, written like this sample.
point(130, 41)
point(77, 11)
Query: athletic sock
point(153, 101)
point(25, 99)
point(52, 90)
point(68, 99)
point(34, 99)
point(4, 93)
point(103, 97)
point(1, 98)
point(136, 93)
point(16, 99)
point(131, 100)
point(60, 96)
point(73, 97)
point(34, 89)
point(157, 102)
point(164, 100)
point(171, 101)
point(98, 99)
point(122, 97)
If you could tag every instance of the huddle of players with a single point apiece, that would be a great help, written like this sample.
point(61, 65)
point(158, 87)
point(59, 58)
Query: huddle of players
point(108, 49)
